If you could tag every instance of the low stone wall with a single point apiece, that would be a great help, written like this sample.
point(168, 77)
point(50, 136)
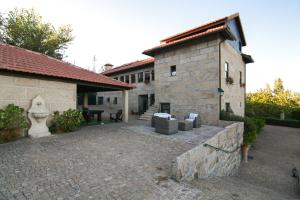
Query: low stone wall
point(204, 161)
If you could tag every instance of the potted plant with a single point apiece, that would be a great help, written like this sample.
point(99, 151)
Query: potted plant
point(12, 123)
point(229, 80)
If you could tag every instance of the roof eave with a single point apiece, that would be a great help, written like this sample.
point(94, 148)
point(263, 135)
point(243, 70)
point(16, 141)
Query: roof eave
point(226, 33)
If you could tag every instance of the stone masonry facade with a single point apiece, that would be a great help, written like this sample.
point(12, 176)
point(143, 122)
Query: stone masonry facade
point(234, 94)
point(194, 88)
point(204, 161)
point(20, 90)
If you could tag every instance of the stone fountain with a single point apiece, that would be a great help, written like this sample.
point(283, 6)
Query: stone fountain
point(38, 115)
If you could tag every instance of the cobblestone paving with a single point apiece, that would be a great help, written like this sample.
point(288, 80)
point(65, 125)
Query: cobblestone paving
point(99, 162)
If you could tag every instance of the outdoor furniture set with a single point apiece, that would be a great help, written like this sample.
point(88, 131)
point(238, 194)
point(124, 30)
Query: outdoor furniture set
point(165, 123)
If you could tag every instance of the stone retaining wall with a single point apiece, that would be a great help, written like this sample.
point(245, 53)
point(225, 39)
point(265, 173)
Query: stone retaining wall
point(203, 161)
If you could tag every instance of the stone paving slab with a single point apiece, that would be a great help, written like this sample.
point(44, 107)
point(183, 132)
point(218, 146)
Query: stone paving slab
point(99, 162)
point(193, 137)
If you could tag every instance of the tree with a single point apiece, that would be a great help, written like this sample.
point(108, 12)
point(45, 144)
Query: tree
point(25, 28)
point(278, 86)
point(266, 102)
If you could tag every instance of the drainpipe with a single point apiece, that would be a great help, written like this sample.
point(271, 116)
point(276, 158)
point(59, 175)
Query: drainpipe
point(220, 83)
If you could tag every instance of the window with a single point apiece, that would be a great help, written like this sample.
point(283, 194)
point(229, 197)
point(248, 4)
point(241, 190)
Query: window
point(117, 78)
point(241, 77)
point(140, 77)
point(92, 98)
point(152, 99)
point(108, 99)
point(226, 70)
point(116, 100)
point(122, 78)
point(152, 75)
point(227, 107)
point(100, 100)
point(127, 78)
point(165, 108)
point(132, 78)
point(173, 70)
point(147, 77)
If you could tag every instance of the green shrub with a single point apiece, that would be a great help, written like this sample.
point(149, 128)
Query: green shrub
point(250, 131)
point(228, 116)
point(259, 123)
point(252, 126)
point(295, 114)
point(68, 121)
point(279, 122)
point(12, 122)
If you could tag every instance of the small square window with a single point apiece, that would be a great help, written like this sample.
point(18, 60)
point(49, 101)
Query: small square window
point(173, 70)
point(122, 78)
point(100, 100)
point(116, 100)
point(108, 99)
point(127, 78)
point(140, 77)
point(116, 78)
point(132, 78)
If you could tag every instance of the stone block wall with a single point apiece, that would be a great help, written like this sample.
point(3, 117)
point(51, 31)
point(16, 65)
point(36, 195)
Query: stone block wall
point(235, 93)
point(194, 88)
point(58, 95)
point(203, 161)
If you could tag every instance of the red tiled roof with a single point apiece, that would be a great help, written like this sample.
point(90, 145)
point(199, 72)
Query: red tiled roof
point(128, 66)
point(217, 26)
point(21, 60)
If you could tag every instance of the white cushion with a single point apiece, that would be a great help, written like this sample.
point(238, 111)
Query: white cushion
point(193, 116)
point(162, 115)
point(191, 120)
point(172, 119)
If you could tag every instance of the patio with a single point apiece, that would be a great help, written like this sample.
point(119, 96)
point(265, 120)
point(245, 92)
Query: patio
point(114, 161)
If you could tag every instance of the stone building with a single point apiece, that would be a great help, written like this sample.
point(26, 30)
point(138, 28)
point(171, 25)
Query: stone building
point(26, 74)
point(200, 70)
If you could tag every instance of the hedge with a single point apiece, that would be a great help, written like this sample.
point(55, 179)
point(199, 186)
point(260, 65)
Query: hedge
point(279, 122)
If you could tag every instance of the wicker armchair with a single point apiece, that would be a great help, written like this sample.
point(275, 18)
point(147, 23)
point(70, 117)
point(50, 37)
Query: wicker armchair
point(195, 118)
point(166, 126)
point(155, 116)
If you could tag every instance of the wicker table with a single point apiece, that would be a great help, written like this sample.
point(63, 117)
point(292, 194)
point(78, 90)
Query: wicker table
point(185, 125)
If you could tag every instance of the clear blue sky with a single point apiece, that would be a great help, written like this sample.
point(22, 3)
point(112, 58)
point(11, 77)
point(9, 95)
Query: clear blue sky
point(118, 31)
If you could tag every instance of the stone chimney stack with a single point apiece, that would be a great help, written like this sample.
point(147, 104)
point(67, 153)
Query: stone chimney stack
point(107, 66)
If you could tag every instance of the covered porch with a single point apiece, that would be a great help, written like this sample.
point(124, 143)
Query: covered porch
point(86, 91)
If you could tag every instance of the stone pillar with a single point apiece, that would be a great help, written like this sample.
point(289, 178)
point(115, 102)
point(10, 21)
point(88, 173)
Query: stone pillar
point(125, 105)
point(85, 101)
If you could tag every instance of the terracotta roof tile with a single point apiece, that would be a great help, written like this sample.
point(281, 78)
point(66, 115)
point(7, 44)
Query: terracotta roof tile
point(21, 60)
point(128, 66)
point(216, 26)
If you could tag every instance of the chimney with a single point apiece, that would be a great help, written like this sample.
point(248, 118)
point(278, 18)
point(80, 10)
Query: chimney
point(107, 66)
